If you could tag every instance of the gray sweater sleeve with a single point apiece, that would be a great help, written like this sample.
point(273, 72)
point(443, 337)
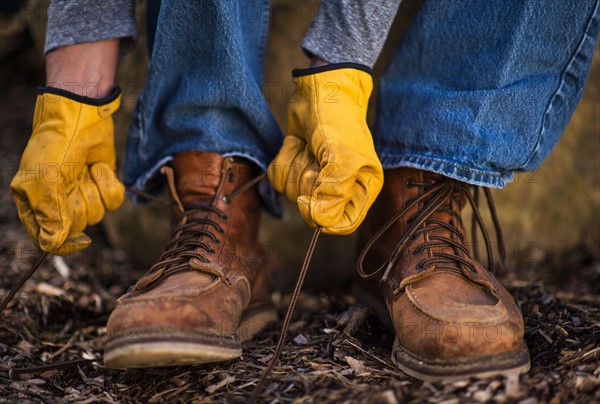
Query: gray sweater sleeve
point(76, 21)
point(350, 30)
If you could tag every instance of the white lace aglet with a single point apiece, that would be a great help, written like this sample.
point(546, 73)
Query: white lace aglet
point(61, 266)
point(388, 269)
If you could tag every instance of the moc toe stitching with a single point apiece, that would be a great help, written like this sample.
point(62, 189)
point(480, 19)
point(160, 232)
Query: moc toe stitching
point(426, 310)
point(445, 347)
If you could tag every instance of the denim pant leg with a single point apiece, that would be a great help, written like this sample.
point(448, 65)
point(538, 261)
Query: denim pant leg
point(482, 88)
point(204, 88)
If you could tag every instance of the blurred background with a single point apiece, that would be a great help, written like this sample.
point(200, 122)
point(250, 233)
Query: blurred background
point(551, 211)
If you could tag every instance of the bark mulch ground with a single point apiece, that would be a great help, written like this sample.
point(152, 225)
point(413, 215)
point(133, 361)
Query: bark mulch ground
point(337, 350)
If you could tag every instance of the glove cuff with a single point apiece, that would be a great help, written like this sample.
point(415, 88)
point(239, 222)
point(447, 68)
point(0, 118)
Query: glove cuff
point(96, 102)
point(333, 66)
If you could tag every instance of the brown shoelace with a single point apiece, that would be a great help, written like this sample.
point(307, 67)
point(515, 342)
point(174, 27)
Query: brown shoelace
point(191, 238)
point(15, 289)
point(288, 317)
point(435, 196)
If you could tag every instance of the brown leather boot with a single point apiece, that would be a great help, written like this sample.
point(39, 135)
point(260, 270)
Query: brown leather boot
point(209, 290)
point(452, 318)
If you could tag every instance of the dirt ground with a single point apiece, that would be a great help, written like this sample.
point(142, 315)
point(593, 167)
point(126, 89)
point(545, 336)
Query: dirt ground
point(337, 350)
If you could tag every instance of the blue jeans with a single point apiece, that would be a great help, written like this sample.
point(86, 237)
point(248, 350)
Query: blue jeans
point(476, 91)
point(480, 89)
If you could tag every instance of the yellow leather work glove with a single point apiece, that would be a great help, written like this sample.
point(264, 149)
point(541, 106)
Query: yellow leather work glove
point(66, 177)
point(327, 164)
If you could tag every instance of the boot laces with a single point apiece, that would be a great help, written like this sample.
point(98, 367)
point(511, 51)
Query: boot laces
point(445, 253)
point(192, 238)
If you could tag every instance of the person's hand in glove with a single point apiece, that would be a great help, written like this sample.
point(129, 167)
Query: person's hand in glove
point(66, 178)
point(327, 164)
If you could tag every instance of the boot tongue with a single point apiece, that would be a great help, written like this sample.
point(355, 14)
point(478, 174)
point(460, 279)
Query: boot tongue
point(197, 176)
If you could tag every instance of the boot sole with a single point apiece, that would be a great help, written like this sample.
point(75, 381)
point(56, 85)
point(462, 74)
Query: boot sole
point(158, 348)
point(509, 364)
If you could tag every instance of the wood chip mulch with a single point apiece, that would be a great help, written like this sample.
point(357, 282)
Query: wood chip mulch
point(337, 350)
